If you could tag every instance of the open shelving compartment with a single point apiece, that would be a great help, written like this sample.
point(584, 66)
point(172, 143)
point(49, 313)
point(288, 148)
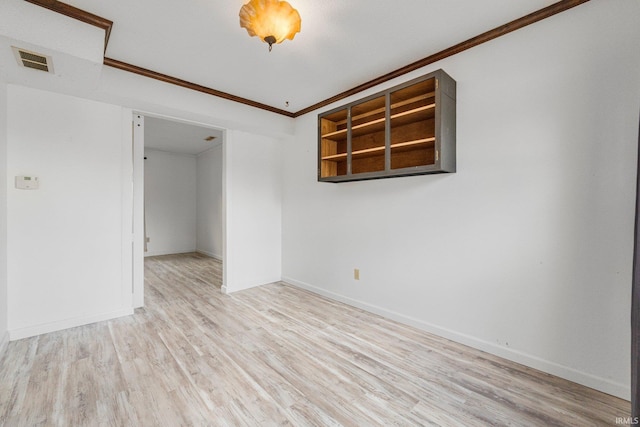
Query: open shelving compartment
point(406, 130)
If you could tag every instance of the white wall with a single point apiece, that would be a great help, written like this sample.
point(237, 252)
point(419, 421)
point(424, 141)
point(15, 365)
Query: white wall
point(88, 80)
point(66, 241)
point(253, 211)
point(4, 337)
point(209, 202)
point(526, 251)
point(170, 202)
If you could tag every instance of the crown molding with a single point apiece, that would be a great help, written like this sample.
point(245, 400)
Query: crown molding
point(487, 36)
point(500, 31)
point(193, 86)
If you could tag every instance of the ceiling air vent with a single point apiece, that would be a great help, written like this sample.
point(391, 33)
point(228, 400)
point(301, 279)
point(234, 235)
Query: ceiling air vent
point(34, 60)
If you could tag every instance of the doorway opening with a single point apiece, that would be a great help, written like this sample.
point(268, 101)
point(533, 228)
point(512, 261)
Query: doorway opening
point(178, 192)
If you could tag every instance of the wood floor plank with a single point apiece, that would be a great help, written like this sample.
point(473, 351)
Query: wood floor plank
point(273, 355)
point(15, 372)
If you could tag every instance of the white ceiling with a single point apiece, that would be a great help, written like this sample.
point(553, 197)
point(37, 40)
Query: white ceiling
point(342, 43)
point(178, 137)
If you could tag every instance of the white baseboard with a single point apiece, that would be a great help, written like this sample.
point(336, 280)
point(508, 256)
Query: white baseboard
point(31, 331)
point(243, 287)
point(602, 384)
point(169, 252)
point(209, 254)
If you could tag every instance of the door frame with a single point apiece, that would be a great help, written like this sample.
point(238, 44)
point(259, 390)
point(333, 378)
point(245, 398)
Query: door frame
point(138, 234)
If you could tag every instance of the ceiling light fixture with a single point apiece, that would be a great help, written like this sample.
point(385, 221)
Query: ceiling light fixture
point(271, 20)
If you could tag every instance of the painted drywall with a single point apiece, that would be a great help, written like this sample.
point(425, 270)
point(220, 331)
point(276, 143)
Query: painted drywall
point(4, 336)
point(209, 202)
point(170, 202)
point(65, 241)
point(82, 77)
point(108, 85)
point(77, 76)
point(57, 32)
point(163, 99)
point(253, 210)
point(526, 251)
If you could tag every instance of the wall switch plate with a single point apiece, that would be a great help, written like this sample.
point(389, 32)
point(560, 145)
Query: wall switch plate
point(356, 273)
point(27, 182)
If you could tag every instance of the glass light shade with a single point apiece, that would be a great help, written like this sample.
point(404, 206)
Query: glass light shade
point(271, 20)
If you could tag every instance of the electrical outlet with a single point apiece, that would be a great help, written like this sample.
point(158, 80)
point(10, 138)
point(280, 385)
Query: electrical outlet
point(356, 273)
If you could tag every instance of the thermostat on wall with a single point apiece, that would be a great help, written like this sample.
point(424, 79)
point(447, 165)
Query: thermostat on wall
point(27, 182)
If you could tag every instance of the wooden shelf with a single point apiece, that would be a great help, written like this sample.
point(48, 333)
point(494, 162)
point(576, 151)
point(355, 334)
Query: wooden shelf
point(373, 122)
point(405, 130)
point(377, 150)
point(341, 156)
point(413, 143)
point(393, 106)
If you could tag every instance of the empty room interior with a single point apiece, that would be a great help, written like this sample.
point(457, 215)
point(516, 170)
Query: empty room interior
point(373, 213)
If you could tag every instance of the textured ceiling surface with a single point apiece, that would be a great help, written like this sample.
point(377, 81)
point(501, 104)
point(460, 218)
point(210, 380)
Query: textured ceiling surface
point(342, 43)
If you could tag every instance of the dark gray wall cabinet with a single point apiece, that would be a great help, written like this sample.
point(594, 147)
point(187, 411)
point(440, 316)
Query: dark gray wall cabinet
point(409, 129)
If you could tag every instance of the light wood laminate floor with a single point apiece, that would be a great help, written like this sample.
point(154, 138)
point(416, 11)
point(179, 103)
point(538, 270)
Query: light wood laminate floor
point(273, 355)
